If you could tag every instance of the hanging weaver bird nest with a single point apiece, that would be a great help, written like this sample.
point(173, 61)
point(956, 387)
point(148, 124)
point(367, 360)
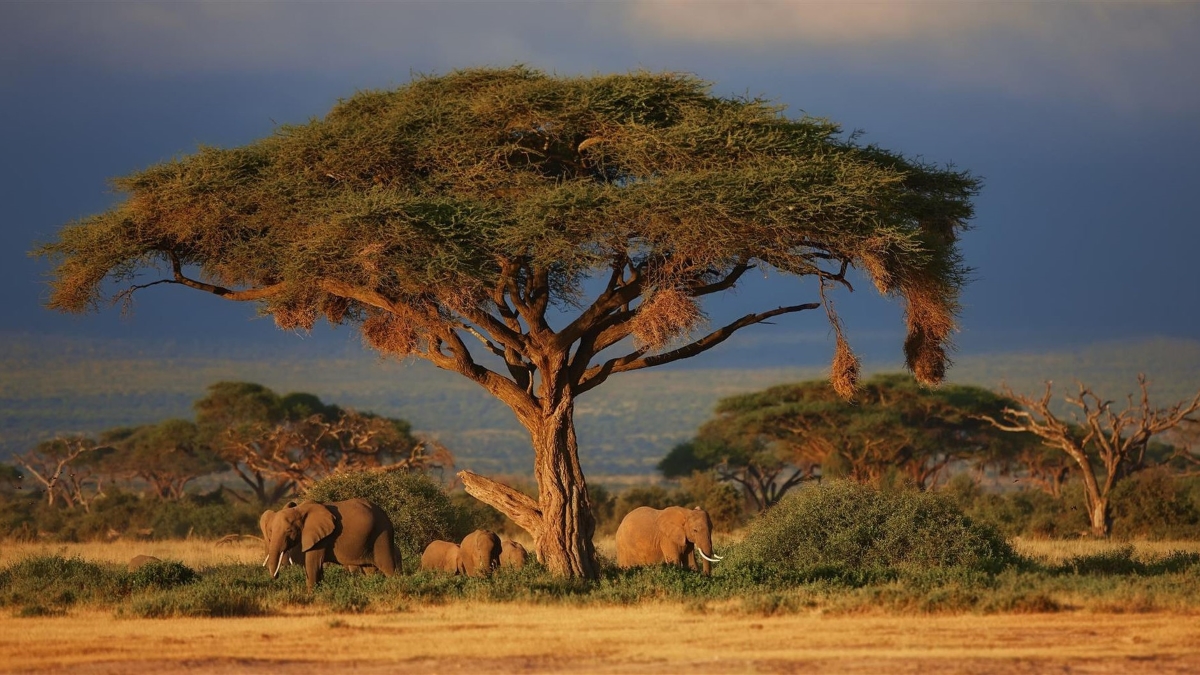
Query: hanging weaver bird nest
point(929, 315)
point(843, 372)
point(390, 334)
point(664, 317)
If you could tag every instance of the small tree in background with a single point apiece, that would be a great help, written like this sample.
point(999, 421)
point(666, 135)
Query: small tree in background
point(166, 456)
point(770, 441)
point(68, 469)
point(1105, 444)
point(568, 227)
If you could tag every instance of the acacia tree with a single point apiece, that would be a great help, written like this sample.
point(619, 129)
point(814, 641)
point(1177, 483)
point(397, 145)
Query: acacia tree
point(567, 227)
point(770, 441)
point(166, 456)
point(1103, 441)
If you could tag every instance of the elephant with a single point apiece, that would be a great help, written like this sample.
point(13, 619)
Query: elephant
point(139, 561)
point(354, 533)
point(648, 536)
point(512, 554)
point(479, 553)
point(441, 556)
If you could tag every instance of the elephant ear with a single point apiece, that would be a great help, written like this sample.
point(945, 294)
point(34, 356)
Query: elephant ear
point(318, 524)
point(264, 522)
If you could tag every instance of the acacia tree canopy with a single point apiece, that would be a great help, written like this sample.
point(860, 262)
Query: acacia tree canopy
point(463, 207)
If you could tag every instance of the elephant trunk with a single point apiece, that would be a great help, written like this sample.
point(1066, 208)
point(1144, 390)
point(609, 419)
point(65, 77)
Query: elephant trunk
point(275, 553)
point(704, 555)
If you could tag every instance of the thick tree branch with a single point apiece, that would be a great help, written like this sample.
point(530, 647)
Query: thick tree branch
point(635, 360)
point(521, 508)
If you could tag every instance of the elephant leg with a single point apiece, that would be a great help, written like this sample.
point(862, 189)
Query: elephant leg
point(313, 561)
point(383, 554)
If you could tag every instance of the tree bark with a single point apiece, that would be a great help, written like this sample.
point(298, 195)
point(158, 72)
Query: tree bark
point(560, 521)
point(1101, 519)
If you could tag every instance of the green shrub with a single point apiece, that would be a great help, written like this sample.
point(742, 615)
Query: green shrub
point(202, 600)
point(1154, 504)
point(162, 574)
point(845, 525)
point(419, 509)
point(53, 580)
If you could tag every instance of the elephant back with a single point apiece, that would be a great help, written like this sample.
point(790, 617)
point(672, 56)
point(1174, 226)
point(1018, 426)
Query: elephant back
point(480, 553)
point(441, 556)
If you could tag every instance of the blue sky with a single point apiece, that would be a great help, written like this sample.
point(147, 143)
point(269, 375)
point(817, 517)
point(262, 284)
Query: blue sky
point(1082, 118)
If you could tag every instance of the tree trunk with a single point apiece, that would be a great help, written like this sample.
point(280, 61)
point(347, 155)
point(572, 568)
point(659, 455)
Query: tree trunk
point(1101, 519)
point(561, 521)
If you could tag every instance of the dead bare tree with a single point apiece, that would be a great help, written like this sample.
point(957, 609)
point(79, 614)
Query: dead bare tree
point(58, 466)
point(1113, 442)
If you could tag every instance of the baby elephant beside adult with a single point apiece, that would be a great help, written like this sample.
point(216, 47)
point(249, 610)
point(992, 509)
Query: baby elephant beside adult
point(477, 556)
point(354, 533)
point(651, 536)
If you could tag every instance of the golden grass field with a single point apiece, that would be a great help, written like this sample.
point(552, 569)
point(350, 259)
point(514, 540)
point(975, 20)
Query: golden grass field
point(654, 637)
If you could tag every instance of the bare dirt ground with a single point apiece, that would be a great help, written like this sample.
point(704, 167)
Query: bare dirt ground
point(653, 638)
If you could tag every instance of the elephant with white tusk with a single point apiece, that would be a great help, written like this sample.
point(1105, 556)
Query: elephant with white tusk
point(651, 536)
point(354, 533)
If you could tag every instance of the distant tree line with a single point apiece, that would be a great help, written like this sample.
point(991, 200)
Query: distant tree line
point(274, 446)
point(897, 432)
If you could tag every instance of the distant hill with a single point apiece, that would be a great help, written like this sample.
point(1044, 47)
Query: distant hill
point(52, 385)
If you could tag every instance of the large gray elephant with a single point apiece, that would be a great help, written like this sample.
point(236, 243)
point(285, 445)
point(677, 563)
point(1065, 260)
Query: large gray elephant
point(479, 553)
point(649, 536)
point(512, 554)
point(354, 533)
point(441, 556)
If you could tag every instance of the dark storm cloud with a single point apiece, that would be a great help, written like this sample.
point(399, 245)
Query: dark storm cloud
point(1139, 55)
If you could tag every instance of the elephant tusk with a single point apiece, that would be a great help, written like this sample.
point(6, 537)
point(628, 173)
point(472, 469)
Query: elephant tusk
point(278, 564)
point(711, 560)
point(266, 560)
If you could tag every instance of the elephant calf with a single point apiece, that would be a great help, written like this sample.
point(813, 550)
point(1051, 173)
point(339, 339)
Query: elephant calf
point(512, 554)
point(354, 533)
point(441, 556)
point(649, 536)
point(139, 561)
point(477, 556)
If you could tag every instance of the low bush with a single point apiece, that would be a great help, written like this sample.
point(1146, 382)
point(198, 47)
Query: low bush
point(54, 581)
point(845, 525)
point(162, 574)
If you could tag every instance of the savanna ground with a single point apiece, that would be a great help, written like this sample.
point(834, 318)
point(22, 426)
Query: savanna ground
point(469, 628)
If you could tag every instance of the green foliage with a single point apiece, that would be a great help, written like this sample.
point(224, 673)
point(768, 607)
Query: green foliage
point(1114, 581)
point(1156, 504)
point(851, 526)
point(895, 432)
point(162, 574)
point(57, 582)
point(212, 515)
point(1151, 504)
point(419, 509)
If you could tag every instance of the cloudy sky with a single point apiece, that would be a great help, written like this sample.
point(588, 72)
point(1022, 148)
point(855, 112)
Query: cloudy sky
point(1082, 118)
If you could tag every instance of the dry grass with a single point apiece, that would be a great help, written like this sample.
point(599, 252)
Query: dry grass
point(1053, 551)
point(650, 638)
point(195, 553)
